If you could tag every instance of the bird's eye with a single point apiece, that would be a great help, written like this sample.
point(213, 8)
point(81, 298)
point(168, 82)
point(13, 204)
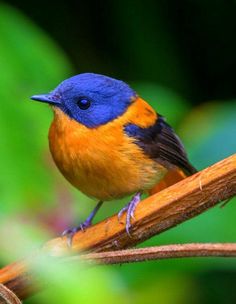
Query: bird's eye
point(83, 103)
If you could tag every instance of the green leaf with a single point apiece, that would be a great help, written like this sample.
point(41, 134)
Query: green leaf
point(209, 132)
point(30, 63)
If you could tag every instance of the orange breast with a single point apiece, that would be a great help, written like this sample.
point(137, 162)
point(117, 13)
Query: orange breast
point(104, 162)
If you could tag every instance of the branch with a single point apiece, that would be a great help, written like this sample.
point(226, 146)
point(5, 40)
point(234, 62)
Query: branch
point(157, 213)
point(159, 253)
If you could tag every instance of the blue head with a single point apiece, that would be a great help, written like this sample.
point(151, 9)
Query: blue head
point(90, 99)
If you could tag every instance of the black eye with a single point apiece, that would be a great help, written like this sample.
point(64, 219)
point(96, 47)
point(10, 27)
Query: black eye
point(83, 103)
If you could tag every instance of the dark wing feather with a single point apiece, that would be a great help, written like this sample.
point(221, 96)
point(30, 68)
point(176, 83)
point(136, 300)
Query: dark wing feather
point(162, 144)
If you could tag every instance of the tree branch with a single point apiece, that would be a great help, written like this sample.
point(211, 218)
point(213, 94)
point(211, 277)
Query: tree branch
point(157, 213)
point(159, 252)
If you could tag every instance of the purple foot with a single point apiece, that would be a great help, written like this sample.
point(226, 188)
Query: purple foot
point(69, 233)
point(130, 208)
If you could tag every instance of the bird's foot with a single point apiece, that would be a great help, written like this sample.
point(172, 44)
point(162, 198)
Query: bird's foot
point(130, 208)
point(69, 233)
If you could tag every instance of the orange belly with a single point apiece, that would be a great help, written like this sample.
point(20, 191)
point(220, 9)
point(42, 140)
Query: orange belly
point(102, 162)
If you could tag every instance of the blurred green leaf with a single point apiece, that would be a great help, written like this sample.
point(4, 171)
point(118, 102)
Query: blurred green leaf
point(209, 132)
point(76, 283)
point(176, 288)
point(30, 63)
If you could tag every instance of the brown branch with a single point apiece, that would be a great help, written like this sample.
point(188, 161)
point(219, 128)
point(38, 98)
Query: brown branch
point(159, 252)
point(7, 296)
point(153, 215)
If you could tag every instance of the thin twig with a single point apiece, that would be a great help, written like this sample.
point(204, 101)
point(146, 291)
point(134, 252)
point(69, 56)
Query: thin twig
point(159, 252)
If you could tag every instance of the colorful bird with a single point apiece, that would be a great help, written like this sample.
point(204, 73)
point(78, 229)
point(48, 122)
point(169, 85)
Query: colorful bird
point(109, 143)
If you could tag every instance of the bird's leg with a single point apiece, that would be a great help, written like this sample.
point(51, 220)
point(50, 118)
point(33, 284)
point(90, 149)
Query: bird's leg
point(71, 231)
point(89, 219)
point(130, 208)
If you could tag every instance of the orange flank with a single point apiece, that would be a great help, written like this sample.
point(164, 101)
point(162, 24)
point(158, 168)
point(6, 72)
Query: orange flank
point(173, 176)
point(104, 162)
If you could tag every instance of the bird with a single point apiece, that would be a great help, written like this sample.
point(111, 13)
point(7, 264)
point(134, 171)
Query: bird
point(110, 143)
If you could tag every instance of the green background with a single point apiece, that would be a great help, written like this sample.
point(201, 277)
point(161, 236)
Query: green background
point(184, 72)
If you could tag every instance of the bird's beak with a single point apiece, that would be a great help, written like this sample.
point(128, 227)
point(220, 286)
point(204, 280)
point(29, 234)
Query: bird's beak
point(47, 98)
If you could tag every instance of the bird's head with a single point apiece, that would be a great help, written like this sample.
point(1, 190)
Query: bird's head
point(91, 99)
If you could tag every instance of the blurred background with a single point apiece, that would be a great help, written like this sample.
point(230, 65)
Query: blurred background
point(180, 56)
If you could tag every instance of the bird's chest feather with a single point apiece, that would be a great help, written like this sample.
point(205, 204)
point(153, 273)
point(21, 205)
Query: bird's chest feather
point(102, 162)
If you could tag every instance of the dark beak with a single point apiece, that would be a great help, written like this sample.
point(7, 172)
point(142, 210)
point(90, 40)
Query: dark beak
point(47, 98)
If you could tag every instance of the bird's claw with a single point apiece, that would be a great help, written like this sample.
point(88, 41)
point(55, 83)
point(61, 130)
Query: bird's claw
point(130, 208)
point(69, 233)
point(122, 211)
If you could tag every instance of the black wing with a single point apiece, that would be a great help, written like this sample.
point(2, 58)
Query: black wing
point(162, 144)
